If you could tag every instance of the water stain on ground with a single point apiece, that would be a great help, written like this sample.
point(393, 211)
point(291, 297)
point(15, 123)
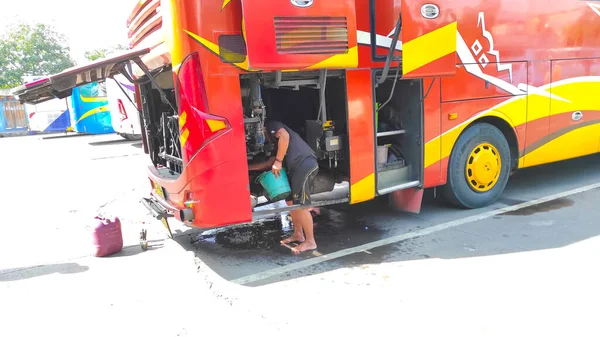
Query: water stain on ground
point(547, 206)
point(334, 230)
point(260, 236)
point(510, 201)
point(405, 250)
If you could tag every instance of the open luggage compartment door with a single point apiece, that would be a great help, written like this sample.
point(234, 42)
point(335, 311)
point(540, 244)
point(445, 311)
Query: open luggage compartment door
point(61, 85)
point(428, 39)
point(299, 34)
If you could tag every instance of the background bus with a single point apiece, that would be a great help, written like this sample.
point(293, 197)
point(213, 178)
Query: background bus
point(85, 111)
point(49, 116)
point(90, 110)
point(13, 118)
point(124, 114)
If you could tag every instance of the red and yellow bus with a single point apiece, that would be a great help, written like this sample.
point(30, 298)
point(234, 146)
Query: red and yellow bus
point(394, 96)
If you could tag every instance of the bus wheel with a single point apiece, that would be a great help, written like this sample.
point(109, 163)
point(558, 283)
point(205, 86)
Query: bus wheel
point(479, 167)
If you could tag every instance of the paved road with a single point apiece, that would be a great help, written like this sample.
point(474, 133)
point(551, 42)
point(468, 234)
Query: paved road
point(525, 266)
point(505, 269)
point(50, 285)
point(251, 252)
point(531, 272)
point(54, 187)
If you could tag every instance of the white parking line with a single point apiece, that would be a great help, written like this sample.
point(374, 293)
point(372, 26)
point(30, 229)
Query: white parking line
point(406, 236)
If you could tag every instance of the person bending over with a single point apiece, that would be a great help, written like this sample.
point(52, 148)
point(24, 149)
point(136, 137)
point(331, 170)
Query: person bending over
point(302, 167)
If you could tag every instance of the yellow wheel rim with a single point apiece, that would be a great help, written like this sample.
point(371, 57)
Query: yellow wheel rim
point(483, 167)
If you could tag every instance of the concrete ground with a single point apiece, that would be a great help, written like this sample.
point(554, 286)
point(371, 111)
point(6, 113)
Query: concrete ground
point(49, 282)
point(524, 266)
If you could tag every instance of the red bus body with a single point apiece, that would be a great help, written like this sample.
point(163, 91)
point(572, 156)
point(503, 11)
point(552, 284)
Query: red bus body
point(529, 68)
point(519, 47)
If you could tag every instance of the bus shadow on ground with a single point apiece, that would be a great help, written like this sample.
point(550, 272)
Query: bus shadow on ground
point(115, 141)
point(253, 249)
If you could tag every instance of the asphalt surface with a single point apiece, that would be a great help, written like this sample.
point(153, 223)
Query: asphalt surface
point(522, 266)
point(254, 249)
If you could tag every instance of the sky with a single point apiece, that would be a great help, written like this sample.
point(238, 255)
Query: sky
point(73, 18)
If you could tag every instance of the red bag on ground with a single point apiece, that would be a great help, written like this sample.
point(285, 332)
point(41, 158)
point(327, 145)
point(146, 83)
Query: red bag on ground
point(107, 237)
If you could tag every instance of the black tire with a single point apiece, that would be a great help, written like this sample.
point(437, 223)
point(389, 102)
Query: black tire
point(458, 191)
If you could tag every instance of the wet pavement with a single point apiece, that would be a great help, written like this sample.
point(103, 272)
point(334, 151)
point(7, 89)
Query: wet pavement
point(239, 253)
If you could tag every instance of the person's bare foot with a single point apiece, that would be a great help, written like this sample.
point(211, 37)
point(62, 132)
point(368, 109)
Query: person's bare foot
point(296, 237)
point(305, 246)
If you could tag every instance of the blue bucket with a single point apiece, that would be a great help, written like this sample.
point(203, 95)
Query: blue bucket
point(277, 188)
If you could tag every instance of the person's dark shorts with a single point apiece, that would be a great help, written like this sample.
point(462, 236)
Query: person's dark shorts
point(301, 180)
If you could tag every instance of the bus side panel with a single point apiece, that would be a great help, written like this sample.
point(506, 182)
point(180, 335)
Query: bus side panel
point(428, 44)
point(123, 112)
point(512, 111)
point(292, 35)
point(50, 116)
point(432, 131)
point(574, 118)
point(485, 81)
point(386, 17)
point(538, 113)
point(234, 186)
point(361, 135)
point(91, 112)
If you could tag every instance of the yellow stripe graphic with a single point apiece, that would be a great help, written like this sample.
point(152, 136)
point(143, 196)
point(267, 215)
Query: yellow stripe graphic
point(428, 48)
point(184, 137)
point(363, 190)
point(215, 125)
point(579, 142)
point(182, 119)
point(348, 60)
point(94, 111)
point(216, 50)
point(433, 150)
point(93, 99)
point(517, 111)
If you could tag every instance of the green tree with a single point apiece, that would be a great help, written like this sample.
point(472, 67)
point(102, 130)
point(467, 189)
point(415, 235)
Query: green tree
point(31, 49)
point(96, 54)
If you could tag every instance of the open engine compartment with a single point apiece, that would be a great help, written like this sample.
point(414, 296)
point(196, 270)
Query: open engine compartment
point(161, 122)
point(313, 104)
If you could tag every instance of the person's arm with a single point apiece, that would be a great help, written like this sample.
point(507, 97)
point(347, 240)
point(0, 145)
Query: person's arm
point(282, 144)
point(275, 163)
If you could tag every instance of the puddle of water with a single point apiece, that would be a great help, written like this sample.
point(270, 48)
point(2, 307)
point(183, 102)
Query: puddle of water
point(548, 206)
point(262, 236)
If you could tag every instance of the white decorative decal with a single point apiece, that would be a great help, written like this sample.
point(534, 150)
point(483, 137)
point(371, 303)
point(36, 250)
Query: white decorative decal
point(476, 47)
point(492, 51)
point(467, 57)
point(364, 38)
point(594, 6)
